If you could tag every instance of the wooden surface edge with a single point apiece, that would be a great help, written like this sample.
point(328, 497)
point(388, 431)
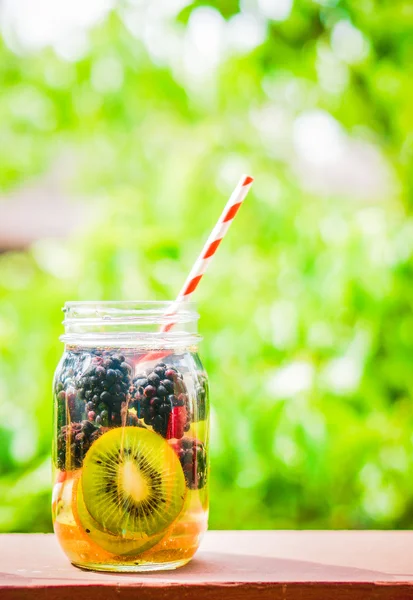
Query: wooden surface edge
point(217, 591)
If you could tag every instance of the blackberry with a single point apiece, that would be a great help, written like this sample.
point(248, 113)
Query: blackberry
point(192, 456)
point(104, 387)
point(160, 398)
point(77, 438)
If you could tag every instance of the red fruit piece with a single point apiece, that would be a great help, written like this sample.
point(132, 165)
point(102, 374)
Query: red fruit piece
point(177, 422)
point(171, 374)
point(61, 476)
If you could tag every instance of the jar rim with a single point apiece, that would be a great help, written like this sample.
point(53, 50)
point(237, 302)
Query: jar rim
point(154, 311)
point(139, 321)
point(124, 302)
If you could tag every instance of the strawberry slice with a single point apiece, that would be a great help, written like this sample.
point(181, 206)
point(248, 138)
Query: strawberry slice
point(177, 422)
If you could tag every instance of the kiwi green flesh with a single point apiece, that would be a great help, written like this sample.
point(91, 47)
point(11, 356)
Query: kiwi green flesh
point(111, 543)
point(133, 482)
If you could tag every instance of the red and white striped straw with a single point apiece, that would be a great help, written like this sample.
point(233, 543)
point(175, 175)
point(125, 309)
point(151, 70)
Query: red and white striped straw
point(217, 234)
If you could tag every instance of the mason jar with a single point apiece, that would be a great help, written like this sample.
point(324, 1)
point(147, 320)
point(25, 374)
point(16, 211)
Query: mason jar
point(131, 427)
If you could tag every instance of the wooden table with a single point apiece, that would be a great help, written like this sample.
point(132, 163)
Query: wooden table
point(231, 565)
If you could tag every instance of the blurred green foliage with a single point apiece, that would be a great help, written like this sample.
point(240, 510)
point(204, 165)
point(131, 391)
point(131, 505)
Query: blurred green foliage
point(307, 311)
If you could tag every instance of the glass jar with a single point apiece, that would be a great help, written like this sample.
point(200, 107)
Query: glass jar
point(130, 451)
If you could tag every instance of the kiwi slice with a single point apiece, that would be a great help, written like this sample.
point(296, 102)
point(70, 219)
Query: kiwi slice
point(108, 541)
point(133, 482)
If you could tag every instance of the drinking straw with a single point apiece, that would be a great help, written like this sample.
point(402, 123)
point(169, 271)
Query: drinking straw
point(208, 251)
point(211, 245)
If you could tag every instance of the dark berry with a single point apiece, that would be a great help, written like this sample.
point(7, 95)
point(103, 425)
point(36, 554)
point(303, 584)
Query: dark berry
point(164, 409)
point(162, 391)
point(154, 397)
point(110, 375)
point(156, 402)
point(87, 426)
point(154, 379)
point(141, 383)
point(106, 397)
point(105, 384)
point(150, 391)
point(193, 458)
point(117, 359)
point(78, 437)
point(160, 371)
point(160, 424)
point(168, 385)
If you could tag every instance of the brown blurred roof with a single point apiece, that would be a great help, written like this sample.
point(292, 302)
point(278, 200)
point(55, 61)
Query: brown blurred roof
point(41, 209)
